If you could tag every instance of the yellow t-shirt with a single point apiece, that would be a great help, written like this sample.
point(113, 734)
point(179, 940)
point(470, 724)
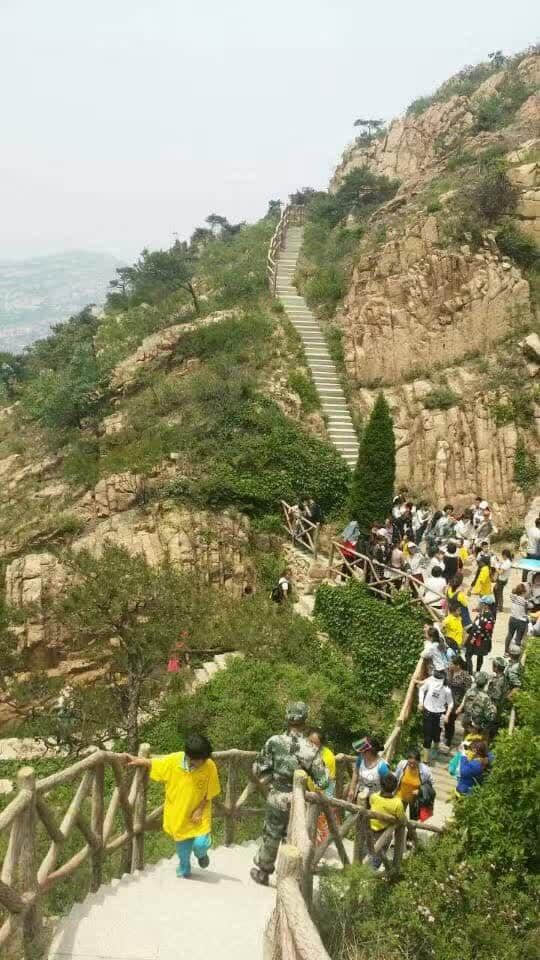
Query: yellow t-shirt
point(453, 628)
point(184, 791)
point(329, 760)
point(410, 782)
point(483, 585)
point(393, 806)
point(463, 554)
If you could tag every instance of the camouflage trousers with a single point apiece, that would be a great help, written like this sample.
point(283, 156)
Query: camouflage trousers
point(276, 821)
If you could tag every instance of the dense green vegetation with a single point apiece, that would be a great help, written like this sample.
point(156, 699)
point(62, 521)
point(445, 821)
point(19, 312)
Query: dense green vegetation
point(472, 894)
point(372, 633)
point(331, 239)
point(373, 481)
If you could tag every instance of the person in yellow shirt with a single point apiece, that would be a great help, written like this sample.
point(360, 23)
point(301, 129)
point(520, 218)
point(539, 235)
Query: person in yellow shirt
point(191, 782)
point(387, 802)
point(452, 625)
point(318, 739)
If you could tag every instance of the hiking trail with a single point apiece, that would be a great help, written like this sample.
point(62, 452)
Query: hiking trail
point(325, 377)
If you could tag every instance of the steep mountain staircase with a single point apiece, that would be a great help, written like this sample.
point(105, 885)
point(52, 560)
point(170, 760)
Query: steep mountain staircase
point(340, 426)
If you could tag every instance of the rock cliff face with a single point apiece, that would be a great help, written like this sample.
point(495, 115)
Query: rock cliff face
point(414, 144)
point(419, 308)
point(415, 304)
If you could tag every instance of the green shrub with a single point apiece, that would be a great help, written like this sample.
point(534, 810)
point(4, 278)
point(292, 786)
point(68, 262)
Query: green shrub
point(518, 409)
point(526, 472)
point(497, 110)
point(384, 641)
point(462, 159)
point(325, 289)
point(518, 245)
point(374, 475)
point(81, 462)
point(440, 398)
point(303, 385)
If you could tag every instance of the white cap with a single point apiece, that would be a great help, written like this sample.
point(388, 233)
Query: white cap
point(483, 505)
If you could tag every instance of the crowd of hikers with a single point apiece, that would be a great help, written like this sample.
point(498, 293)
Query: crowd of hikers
point(427, 552)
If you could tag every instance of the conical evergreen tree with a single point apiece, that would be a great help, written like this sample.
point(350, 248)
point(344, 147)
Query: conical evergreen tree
point(374, 476)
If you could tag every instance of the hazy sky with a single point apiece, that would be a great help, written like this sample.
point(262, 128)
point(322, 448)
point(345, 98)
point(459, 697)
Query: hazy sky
point(126, 120)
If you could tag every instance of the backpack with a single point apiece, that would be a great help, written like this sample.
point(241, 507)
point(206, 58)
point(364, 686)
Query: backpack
point(277, 593)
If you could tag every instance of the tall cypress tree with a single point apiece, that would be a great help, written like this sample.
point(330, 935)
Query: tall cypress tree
point(372, 486)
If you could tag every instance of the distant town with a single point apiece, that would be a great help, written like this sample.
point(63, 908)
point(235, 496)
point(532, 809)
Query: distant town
point(39, 292)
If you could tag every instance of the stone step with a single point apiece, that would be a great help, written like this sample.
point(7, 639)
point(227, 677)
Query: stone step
point(210, 667)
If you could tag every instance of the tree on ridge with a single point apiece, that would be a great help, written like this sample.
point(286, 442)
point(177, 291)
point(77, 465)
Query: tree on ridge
point(373, 481)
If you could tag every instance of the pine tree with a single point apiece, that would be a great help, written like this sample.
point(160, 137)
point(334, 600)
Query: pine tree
point(373, 480)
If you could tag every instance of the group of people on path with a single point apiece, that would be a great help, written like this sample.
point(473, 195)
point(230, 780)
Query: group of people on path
point(433, 547)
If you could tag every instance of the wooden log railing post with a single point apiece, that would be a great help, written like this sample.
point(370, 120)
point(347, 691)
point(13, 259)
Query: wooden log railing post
point(341, 769)
point(26, 870)
point(230, 803)
point(140, 794)
point(361, 834)
point(96, 825)
point(400, 842)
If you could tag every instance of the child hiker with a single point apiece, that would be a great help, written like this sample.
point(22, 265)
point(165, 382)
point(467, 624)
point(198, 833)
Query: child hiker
point(191, 783)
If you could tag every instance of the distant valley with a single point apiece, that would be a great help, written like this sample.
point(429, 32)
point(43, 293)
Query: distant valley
point(41, 291)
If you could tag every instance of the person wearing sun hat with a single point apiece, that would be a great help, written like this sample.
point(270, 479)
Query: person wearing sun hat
point(368, 769)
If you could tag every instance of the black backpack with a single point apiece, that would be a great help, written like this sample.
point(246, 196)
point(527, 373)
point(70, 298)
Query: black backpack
point(277, 593)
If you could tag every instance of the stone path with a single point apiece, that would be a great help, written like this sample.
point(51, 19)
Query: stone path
point(154, 915)
point(340, 426)
point(445, 784)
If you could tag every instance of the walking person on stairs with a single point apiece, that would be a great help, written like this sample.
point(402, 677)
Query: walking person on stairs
point(435, 701)
point(280, 757)
point(191, 782)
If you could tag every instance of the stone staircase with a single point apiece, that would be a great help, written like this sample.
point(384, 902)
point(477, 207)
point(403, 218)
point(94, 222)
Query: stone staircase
point(340, 426)
point(209, 668)
point(154, 915)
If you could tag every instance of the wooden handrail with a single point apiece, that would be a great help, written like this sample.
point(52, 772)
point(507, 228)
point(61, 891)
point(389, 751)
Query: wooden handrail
point(289, 214)
point(24, 882)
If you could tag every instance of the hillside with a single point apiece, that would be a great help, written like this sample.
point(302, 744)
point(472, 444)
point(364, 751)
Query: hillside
point(41, 291)
point(432, 294)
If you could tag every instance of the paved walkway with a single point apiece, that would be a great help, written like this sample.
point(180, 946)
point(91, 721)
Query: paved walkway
point(445, 784)
point(334, 405)
point(155, 915)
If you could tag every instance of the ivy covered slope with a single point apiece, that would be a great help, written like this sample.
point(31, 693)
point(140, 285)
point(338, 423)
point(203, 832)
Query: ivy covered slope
point(472, 894)
point(192, 379)
point(423, 262)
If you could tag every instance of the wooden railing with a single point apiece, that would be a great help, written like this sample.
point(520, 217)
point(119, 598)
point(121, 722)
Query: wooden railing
point(290, 215)
point(108, 808)
point(291, 933)
point(343, 565)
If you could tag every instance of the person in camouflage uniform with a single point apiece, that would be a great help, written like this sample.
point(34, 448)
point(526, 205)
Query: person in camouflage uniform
point(477, 706)
point(495, 691)
point(495, 687)
point(513, 673)
point(280, 757)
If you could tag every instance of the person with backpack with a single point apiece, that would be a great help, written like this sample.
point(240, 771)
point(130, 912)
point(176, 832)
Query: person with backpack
point(480, 636)
point(281, 591)
point(279, 759)
point(412, 775)
point(472, 768)
point(435, 702)
point(368, 769)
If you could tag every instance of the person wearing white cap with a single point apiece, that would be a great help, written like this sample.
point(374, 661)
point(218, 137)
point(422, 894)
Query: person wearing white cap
point(486, 527)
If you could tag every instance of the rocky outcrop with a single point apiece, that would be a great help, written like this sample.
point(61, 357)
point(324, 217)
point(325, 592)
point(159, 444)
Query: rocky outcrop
point(14, 471)
point(454, 454)
point(412, 145)
point(113, 494)
point(157, 349)
point(215, 545)
point(30, 582)
point(527, 177)
point(413, 304)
